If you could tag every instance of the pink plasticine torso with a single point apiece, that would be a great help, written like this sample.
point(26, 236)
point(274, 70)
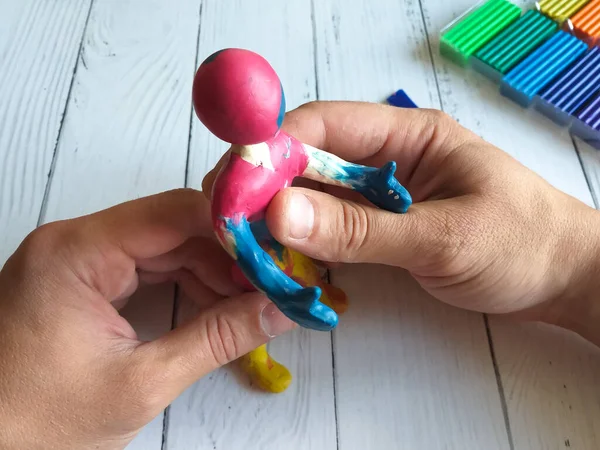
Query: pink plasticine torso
point(245, 188)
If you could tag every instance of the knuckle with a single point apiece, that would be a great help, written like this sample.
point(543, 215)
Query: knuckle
point(309, 105)
point(190, 194)
point(222, 340)
point(437, 116)
point(46, 240)
point(45, 236)
point(355, 226)
point(441, 123)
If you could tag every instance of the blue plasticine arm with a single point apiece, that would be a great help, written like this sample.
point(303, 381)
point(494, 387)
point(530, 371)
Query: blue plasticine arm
point(299, 304)
point(379, 186)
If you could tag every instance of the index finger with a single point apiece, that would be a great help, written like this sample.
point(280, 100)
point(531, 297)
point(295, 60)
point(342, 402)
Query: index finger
point(153, 225)
point(104, 249)
point(373, 133)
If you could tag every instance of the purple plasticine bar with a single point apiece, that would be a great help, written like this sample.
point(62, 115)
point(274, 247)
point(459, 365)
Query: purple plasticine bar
point(587, 122)
point(560, 100)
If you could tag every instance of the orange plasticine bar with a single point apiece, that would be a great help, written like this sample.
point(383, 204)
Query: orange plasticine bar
point(586, 23)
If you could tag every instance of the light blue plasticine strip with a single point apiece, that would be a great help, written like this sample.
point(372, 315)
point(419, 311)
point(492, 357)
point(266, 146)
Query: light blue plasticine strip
point(542, 66)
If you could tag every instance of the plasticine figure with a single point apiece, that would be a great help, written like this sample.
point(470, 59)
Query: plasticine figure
point(239, 98)
point(263, 370)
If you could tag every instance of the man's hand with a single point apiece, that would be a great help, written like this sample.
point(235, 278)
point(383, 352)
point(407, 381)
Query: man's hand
point(73, 372)
point(485, 233)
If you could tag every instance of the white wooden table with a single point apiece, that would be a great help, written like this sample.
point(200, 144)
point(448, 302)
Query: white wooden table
point(95, 110)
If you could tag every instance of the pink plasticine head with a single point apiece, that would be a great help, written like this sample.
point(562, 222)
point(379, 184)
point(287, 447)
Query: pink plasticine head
point(238, 96)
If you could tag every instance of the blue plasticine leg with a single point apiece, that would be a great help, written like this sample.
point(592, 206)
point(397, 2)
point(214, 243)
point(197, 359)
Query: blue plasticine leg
point(299, 304)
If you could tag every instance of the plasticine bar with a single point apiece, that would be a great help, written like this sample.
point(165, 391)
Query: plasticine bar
point(560, 10)
point(568, 93)
point(587, 122)
point(476, 28)
point(586, 23)
point(513, 44)
point(537, 70)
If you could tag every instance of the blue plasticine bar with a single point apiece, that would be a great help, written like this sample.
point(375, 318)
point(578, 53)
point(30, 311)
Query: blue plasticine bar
point(568, 93)
point(534, 73)
point(587, 122)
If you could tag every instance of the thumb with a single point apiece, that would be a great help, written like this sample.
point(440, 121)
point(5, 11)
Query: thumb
point(219, 335)
point(335, 230)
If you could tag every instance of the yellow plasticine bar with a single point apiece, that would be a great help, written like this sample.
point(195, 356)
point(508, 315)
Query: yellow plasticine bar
point(560, 10)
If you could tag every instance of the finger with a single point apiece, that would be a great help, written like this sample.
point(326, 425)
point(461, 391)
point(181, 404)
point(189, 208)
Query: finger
point(102, 249)
point(223, 333)
point(209, 178)
point(153, 225)
point(419, 140)
point(330, 229)
point(327, 264)
point(192, 287)
point(203, 258)
point(356, 130)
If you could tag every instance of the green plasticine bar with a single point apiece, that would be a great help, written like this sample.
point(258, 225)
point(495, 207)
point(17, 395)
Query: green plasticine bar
point(513, 44)
point(476, 28)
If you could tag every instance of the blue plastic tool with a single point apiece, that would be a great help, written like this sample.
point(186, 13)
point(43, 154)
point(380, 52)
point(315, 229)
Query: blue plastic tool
point(401, 100)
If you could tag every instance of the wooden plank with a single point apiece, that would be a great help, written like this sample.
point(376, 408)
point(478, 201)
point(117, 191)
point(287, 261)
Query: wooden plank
point(534, 364)
point(126, 129)
point(410, 372)
point(551, 381)
point(221, 411)
point(39, 42)
point(590, 159)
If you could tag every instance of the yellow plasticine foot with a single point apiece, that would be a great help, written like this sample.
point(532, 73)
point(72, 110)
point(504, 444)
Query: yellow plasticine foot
point(265, 372)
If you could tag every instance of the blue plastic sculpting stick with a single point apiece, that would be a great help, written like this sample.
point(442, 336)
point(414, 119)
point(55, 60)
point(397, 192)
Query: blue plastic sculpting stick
point(534, 73)
point(565, 96)
point(401, 100)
